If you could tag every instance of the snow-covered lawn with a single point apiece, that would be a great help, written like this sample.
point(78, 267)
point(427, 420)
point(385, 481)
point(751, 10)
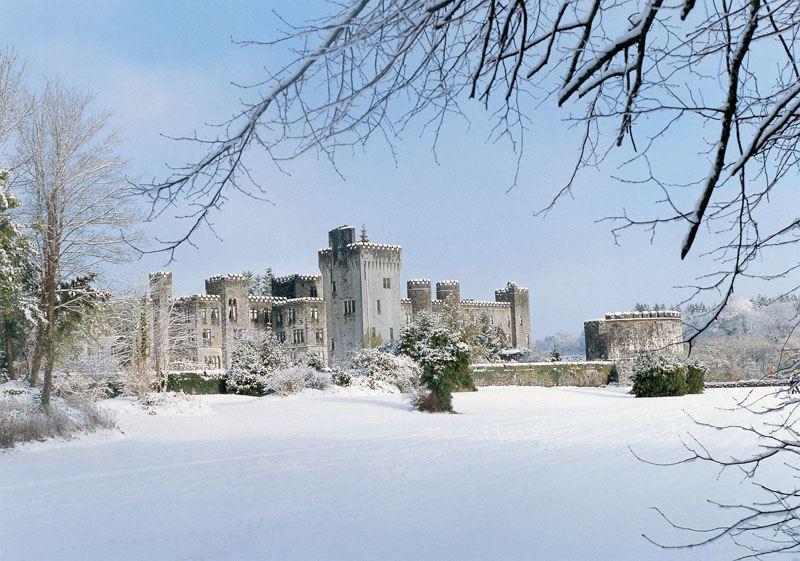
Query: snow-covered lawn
point(520, 473)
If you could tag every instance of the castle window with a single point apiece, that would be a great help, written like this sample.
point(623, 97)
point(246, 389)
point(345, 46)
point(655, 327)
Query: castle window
point(254, 314)
point(391, 334)
point(379, 307)
point(204, 313)
point(232, 311)
point(320, 336)
point(214, 314)
point(333, 286)
point(313, 292)
point(280, 318)
point(281, 336)
point(387, 282)
point(332, 345)
point(315, 314)
point(206, 336)
point(349, 307)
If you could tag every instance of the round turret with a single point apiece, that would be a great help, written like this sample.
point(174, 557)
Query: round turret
point(448, 289)
point(419, 292)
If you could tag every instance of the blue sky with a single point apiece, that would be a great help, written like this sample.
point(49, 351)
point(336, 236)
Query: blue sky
point(166, 67)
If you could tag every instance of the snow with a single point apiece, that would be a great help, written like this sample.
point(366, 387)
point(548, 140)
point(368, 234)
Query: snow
point(519, 473)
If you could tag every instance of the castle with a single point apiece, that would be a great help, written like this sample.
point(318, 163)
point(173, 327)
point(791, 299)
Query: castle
point(355, 302)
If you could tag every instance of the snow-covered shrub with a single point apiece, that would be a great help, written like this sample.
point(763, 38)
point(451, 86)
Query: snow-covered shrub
point(443, 357)
point(294, 379)
point(260, 365)
point(378, 369)
point(90, 372)
point(315, 361)
point(318, 379)
point(341, 377)
point(255, 356)
point(23, 419)
point(664, 374)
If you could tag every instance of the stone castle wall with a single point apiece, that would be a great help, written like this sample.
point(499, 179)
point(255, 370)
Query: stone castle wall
point(546, 374)
point(623, 337)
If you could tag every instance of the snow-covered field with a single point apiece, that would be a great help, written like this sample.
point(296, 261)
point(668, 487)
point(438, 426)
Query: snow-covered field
point(520, 473)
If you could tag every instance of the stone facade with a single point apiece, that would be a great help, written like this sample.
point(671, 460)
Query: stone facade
point(622, 337)
point(354, 302)
point(207, 325)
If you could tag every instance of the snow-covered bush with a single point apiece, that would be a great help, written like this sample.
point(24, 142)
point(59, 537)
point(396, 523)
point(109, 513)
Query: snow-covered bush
point(255, 356)
point(294, 379)
point(315, 361)
point(443, 357)
point(378, 369)
point(664, 374)
point(260, 365)
point(90, 372)
point(23, 419)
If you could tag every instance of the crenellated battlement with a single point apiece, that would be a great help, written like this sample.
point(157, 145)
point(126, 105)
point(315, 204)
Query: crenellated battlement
point(200, 298)
point(650, 314)
point(305, 300)
point(295, 277)
point(267, 299)
point(229, 277)
point(484, 304)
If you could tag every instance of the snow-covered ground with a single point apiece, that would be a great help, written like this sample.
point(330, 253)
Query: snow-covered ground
point(520, 473)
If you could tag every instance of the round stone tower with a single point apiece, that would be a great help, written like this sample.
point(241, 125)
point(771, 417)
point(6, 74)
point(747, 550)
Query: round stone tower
point(448, 289)
point(419, 292)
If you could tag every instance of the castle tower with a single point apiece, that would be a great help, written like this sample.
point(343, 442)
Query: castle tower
point(419, 292)
point(233, 292)
point(623, 337)
point(519, 298)
point(361, 287)
point(448, 289)
point(160, 288)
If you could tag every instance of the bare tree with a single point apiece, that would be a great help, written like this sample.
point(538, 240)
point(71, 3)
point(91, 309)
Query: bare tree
point(13, 99)
point(74, 188)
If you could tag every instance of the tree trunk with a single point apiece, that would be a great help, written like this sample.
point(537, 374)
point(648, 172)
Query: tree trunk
point(47, 386)
point(9, 348)
point(50, 264)
point(36, 357)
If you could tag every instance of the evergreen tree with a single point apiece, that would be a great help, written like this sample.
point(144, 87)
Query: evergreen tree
point(17, 300)
point(443, 357)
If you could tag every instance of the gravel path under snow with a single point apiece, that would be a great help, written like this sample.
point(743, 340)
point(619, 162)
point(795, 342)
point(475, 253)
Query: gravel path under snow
point(520, 473)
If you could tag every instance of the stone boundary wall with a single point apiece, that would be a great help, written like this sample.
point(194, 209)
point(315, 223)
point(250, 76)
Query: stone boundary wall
point(546, 374)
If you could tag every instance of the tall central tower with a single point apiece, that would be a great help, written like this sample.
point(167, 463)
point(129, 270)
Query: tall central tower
point(361, 286)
